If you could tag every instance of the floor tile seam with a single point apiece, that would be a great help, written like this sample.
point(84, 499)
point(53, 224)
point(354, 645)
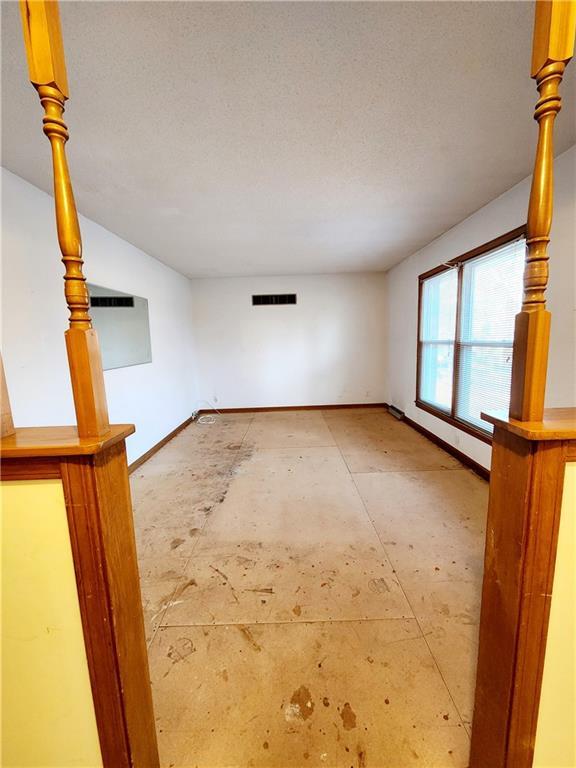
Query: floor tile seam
point(339, 447)
point(193, 732)
point(187, 561)
point(291, 447)
point(424, 634)
point(162, 611)
point(433, 655)
point(415, 616)
point(444, 581)
point(296, 447)
point(411, 471)
point(371, 522)
point(295, 623)
point(363, 505)
point(168, 604)
point(248, 425)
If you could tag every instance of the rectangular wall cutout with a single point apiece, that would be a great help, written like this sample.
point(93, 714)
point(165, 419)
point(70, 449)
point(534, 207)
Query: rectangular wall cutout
point(273, 299)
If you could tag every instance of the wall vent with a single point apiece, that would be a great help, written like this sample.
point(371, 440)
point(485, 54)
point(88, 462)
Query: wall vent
point(266, 299)
point(111, 301)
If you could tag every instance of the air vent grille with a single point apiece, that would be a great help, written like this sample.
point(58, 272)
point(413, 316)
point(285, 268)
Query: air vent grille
point(111, 301)
point(268, 299)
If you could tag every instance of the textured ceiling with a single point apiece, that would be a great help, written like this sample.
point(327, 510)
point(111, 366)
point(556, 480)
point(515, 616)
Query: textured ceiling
point(281, 138)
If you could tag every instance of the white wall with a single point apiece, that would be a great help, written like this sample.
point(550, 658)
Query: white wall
point(156, 397)
point(501, 215)
point(330, 348)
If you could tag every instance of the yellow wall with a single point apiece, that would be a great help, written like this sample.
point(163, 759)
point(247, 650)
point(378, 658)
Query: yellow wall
point(47, 710)
point(556, 733)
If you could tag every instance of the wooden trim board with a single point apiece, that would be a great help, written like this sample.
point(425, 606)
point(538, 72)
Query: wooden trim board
point(155, 448)
point(491, 245)
point(484, 437)
point(292, 408)
point(462, 457)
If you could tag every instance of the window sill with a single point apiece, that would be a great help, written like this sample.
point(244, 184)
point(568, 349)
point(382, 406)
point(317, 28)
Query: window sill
point(470, 430)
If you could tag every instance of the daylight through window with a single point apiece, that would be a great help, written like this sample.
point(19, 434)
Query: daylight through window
point(466, 331)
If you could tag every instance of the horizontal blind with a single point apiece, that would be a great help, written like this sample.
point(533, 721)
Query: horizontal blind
point(437, 335)
point(491, 298)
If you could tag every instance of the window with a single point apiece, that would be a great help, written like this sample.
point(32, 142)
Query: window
point(466, 331)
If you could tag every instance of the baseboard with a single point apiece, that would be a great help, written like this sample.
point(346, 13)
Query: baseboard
point(295, 408)
point(462, 457)
point(161, 444)
point(466, 460)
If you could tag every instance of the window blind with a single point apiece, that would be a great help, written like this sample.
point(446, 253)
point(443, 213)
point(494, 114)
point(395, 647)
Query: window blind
point(437, 334)
point(491, 296)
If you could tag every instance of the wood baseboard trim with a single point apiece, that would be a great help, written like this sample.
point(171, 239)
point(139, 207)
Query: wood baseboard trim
point(155, 448)
point(330, 407)
point(462, 457)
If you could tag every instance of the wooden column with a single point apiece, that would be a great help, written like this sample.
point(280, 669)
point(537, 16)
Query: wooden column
point(90, 460)
point(554, 29)
point(45, 51)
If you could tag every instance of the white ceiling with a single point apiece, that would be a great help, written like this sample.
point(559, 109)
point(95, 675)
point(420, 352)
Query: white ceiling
point(281, 138)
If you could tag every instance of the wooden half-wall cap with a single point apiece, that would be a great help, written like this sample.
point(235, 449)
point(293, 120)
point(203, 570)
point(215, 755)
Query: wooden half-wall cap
point(32, 442)
point(552, 49)
point(7, 424)
point(556, 424)
point(47, 69)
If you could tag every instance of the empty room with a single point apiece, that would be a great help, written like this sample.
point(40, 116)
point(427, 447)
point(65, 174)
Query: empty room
point(288, 384)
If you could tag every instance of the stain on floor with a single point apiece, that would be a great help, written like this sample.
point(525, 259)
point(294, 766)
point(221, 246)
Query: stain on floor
point(311, 585)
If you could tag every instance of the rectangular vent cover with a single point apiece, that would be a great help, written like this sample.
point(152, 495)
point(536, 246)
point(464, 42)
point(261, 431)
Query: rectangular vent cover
point(273, 298)
point(111, 301)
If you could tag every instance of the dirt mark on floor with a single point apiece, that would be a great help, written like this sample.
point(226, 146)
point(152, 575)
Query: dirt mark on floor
point(249, 637)
point(348, 717)
point(301, 706)
point(180, 651)
point(379, 585)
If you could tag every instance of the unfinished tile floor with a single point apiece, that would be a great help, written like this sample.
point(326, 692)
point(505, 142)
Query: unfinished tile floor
point(311, 584)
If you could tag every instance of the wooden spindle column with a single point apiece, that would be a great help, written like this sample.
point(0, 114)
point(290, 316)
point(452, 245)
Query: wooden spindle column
point(530, 452)
point(553, 48)
point(45, 51)
point(66, 495)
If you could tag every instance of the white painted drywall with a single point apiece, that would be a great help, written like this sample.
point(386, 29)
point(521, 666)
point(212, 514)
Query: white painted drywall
point(501, 215)
point(330, 348)
point(156, 397)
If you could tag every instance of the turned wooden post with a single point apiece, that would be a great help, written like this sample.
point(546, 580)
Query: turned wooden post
point(530, 450)
point(47, 68)
point(553, 47)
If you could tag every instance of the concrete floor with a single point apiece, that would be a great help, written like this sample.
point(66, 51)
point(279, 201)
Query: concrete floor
point(311, 584)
